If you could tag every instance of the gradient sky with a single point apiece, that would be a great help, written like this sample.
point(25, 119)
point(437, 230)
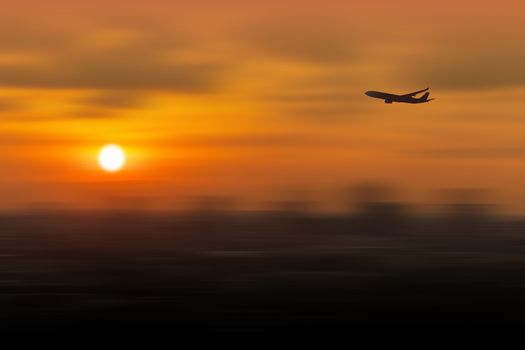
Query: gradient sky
point(259, 100)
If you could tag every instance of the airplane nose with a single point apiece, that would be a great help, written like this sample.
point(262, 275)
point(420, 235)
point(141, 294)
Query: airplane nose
point(368, 93)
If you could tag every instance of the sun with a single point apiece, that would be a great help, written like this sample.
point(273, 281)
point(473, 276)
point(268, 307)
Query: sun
point(111, 158)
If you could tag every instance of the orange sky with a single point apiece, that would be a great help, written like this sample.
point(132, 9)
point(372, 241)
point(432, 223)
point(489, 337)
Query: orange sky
point(259, 100)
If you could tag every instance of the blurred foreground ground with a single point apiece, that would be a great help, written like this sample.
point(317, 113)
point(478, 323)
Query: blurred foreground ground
point(234, 271)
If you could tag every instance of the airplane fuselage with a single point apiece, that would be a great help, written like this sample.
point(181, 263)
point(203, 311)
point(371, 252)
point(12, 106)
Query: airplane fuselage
point(390, 98)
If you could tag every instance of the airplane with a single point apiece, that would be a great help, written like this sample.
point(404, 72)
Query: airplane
point(408, 98)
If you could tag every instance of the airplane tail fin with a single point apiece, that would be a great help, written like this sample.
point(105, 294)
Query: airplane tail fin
point(425, 97)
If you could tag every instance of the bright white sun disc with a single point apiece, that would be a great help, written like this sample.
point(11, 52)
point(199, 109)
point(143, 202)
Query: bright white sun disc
point(111, 158)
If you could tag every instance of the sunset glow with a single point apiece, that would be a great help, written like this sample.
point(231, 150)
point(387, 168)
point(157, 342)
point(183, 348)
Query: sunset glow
point(234, 99)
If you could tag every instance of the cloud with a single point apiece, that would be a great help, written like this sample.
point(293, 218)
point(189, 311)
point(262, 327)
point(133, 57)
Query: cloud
point(469, 66)
point(114, 100)
point(256, 140)
point(473, 152)
point(9, 104)
point(314, 97)
point(124, 72)
point(16, 37)
point(240, 141)
point(12, 139)
point(313, 45)
point(328, 103)
point(91, 114)
point(323, 113)
point(108, 62)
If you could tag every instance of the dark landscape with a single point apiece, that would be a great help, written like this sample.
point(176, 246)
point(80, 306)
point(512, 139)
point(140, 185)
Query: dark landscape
point(237, 271)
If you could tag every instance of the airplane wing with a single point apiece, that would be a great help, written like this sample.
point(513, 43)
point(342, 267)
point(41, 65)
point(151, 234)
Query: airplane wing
point(415, 93)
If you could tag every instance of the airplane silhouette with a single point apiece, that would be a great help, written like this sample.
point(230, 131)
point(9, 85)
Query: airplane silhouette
point(408, 98)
